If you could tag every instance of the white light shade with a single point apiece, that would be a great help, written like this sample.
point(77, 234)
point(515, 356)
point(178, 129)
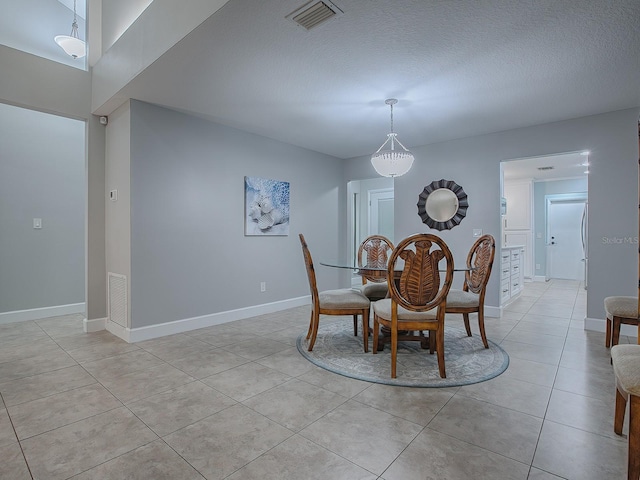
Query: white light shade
point(392, 163)
point(71, 45)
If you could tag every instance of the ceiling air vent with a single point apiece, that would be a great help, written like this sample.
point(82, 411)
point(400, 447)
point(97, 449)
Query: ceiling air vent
point(312, 14)
point(545, 168)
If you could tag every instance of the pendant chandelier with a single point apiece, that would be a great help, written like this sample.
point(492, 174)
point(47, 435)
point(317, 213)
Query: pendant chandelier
point(392, 162)
point(71, 44)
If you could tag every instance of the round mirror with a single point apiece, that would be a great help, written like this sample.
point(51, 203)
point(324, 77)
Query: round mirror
point(442, 204)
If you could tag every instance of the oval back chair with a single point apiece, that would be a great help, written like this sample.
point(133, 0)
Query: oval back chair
point(374, 252)
point(471, 298)
point(418, 296)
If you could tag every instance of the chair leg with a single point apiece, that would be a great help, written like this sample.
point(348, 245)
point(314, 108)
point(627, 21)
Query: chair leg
point(440, 351)
point(607, 338)
point(467, 327)
point(355, 325)
point(365, 329)
point(432, 342)
point(621, 406)
point(314, 333)
point(310, 325)
point(483, 334)
point(394, 351)
point(633, 469)
point(615, 337)
point(376, 329)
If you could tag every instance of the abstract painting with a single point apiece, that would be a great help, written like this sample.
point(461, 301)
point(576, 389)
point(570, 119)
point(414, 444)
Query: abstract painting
point(266, 204)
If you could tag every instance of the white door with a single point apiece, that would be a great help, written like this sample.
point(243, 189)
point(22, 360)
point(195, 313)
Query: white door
point(381, 213)
point(565, 255)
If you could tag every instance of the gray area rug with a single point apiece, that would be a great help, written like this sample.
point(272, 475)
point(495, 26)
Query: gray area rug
point(466, 359)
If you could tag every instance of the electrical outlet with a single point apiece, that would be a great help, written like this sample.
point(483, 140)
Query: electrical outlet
point(477, 232)
point(263, 286)
point(37, 223)
point(537, 266)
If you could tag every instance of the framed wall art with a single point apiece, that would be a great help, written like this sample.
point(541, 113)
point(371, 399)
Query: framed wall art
point(266, 205)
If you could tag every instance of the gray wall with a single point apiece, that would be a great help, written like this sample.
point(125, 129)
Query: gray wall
point(189, 255)
point(540, 190)
point(474, 163)
point(42, 175)
point(39, 84)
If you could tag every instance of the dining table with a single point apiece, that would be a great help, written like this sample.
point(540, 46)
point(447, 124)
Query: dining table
point(379, 274)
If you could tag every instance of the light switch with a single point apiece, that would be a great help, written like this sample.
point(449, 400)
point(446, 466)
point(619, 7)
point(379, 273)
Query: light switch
point(113, 195)
point(37, 223)
point(477, 232)
point(538, 235)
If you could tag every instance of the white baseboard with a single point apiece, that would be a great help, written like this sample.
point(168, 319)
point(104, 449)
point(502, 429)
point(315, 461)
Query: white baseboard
point(539, 278)
point(94, 325)
point(492, 311)
point(38, 313)
point(139, 334)
point(600, 325)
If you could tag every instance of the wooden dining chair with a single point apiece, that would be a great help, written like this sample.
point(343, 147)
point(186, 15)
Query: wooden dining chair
point(374, 252)
point(626, 368)
point(418, 297)
point(471, 298)
point(344, 301)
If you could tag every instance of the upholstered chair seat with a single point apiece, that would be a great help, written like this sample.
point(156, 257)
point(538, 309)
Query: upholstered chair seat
point(343, 298)
point(462, 299)
point(620, 310)
point(374, 291)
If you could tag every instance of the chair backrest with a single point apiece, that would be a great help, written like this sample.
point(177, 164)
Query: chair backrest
point(311, 273)
point(376, 249)
point(480, 258)
point(419, 287)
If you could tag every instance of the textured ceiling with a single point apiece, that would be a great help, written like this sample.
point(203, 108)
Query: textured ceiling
point(458, 67)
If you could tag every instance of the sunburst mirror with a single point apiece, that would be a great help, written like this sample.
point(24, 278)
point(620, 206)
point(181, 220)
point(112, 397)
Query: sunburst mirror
point(442, 204)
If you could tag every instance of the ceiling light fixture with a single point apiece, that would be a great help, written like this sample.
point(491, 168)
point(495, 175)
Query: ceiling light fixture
point(392, 162)
point(71, 44)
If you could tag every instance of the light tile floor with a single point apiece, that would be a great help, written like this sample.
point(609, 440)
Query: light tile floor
point(238, 401)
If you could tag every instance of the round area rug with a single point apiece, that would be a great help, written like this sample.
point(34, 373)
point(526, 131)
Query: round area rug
point(466, 360)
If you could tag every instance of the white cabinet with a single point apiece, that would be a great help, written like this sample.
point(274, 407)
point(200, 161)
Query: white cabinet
point(518, 197)
point(521, 239)
point(517, 224)
point(511, 273)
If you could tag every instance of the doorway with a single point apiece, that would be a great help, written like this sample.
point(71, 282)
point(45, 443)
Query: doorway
point(566, 237)
point(381, 212)
point(525, 184)
point(370, 205)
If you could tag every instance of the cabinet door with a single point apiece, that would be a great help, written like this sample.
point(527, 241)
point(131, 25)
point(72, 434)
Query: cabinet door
point(518, 197)
point(522, 238)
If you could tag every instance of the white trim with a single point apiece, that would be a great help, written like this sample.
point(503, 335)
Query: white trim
point(539, 278)
point(38, 313)
point(492, 311)
point(599, 325)
point(139, 334)
point(94, 325)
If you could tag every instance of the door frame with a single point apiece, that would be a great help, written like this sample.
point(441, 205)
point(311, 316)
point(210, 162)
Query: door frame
point(558, 198)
